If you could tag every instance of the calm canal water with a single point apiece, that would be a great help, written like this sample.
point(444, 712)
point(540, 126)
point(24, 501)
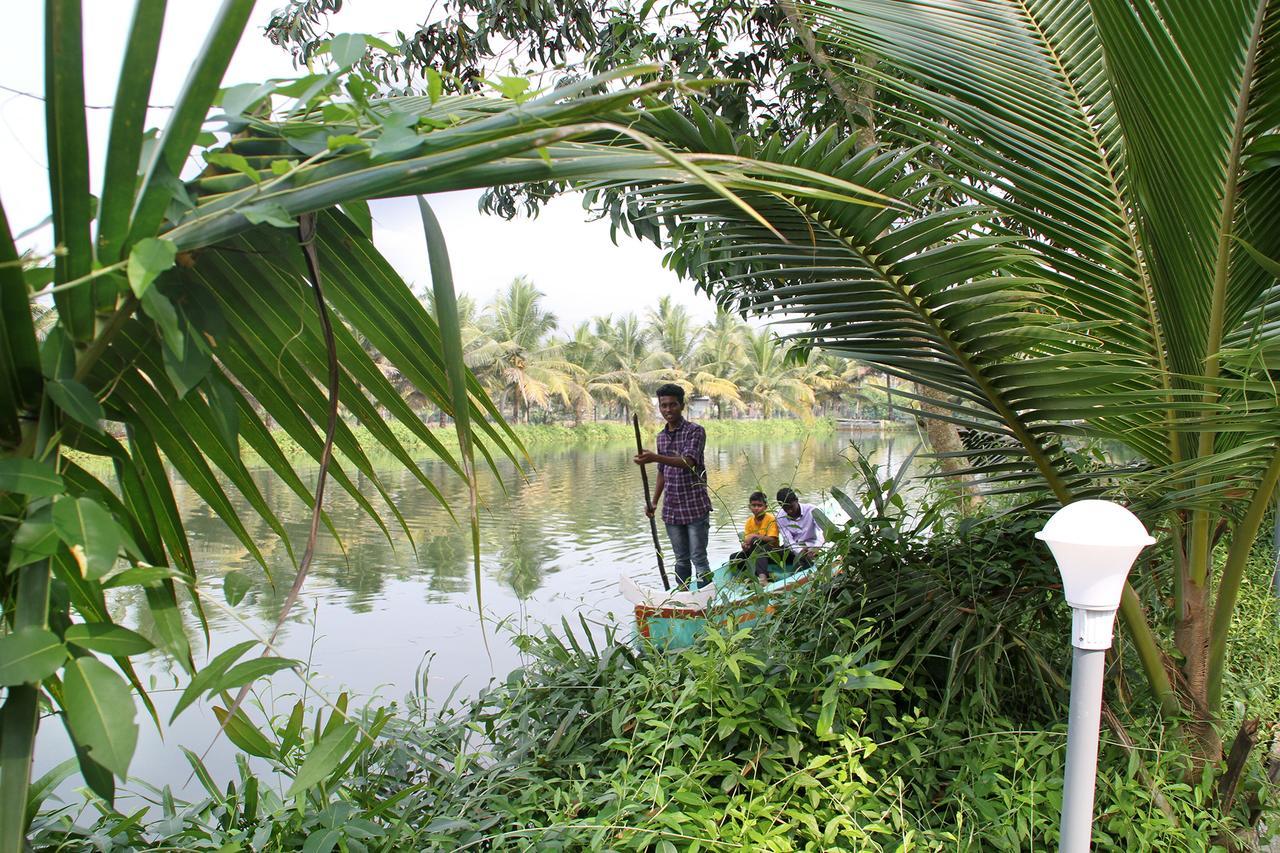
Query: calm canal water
point(379, 618)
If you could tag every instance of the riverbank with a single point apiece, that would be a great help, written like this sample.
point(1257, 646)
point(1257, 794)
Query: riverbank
point(543, 435)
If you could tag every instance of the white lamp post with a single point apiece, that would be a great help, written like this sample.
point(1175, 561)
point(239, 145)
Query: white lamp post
point(1094, 544)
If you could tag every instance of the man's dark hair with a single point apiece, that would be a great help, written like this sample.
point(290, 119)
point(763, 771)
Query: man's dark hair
point(756, 496)
point(786, 494)
point(670, 390)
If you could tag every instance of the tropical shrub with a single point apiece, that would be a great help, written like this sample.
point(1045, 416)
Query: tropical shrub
point(784, 735)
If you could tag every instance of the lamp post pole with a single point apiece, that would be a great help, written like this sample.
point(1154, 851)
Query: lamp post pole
point(1094, 544)
point(1088, 659)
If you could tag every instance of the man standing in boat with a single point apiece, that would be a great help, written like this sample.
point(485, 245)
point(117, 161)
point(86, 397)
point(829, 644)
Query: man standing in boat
point(682, 485)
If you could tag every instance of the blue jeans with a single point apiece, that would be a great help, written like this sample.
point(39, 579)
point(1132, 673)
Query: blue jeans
point(689, 541)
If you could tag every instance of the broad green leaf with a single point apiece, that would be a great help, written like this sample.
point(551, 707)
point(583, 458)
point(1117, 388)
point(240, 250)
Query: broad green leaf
point(189, 368)
point(147, 259)
point(86, 597)
point(871, 682)
point(342, 140)
point(77, 401)
point(100, 713)
point(827, 713)
point(57, 354)
point(271, 213)
point(435, 85)
point(512, 88)
point(30, 478)
point(323, 758)
point(237, 99)
point(84, 524)
point(208, 676)
point(35, 539)
point(166, 616)
point(235, 162)
point(321, 842)
point(44, 786)
point(202, 773)
point(234, 587)
point(347, 48)
point(245, 734)
point(222, 399)
point(29, 655)
point(251, 670)
point(303, 88)
point(291, 735)
point(849, 505)
point(147, 576)
point(108, 639)
point(158, 307)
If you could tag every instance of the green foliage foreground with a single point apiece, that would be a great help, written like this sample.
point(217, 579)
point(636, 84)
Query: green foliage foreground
point(787, 734)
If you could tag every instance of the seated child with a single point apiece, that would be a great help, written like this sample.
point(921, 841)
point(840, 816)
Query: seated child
point(798, 530)
point(759, 537)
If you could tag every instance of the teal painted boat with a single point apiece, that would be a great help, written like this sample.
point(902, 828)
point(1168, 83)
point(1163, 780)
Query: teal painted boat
point(672, 620)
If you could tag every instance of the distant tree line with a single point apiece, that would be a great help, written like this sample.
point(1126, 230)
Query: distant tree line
point(608, 367)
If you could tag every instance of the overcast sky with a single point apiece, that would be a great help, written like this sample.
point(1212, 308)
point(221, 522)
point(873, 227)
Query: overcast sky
point(571, 260)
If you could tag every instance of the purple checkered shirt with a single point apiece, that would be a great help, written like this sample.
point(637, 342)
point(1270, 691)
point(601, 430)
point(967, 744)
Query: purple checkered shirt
point(684, 497)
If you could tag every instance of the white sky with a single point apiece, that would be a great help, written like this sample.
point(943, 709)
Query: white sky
point(571, 260)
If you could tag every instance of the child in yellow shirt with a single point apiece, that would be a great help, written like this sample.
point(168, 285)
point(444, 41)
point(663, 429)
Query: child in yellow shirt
point(759, 536)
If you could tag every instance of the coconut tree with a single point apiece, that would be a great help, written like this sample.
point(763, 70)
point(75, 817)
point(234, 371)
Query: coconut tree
point(584, 350)
point(516, 355)
point(769, 379)
point(633, 366)
point(1097, 258)
point(719, 355)
point(674, 332)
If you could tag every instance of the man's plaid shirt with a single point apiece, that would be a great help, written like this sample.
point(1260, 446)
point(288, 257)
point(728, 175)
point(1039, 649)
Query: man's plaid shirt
point(684, 497)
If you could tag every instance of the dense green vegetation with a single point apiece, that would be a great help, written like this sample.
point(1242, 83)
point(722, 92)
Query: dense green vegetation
point(814, 728)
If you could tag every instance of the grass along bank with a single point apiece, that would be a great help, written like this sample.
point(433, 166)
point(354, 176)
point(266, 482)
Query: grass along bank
point(593, 432)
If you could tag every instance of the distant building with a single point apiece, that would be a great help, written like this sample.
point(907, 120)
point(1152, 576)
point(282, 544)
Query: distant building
point(695, 408)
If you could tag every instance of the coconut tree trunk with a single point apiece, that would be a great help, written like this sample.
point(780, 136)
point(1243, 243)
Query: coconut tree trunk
point(945, 438)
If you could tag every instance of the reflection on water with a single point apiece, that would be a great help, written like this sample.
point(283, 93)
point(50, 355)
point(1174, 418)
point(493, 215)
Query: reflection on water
point(376, 606)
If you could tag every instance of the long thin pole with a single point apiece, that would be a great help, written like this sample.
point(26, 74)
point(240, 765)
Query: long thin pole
point(1084, 719)
point(648, 506)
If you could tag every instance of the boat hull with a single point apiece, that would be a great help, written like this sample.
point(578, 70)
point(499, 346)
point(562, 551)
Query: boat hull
point(674, 620)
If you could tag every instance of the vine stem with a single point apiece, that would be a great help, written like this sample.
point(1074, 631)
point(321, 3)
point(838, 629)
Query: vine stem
point(306, 239)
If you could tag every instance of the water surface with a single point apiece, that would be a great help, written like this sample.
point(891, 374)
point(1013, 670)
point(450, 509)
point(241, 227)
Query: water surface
point(382, 614)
